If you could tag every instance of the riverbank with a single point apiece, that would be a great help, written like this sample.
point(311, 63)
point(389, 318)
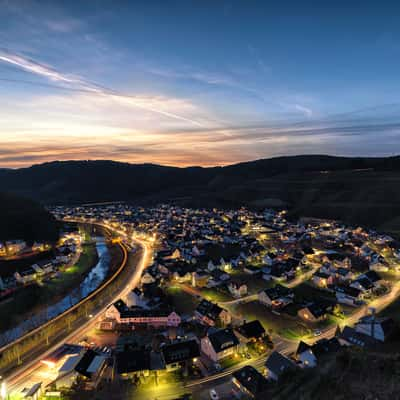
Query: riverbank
point(35, 304)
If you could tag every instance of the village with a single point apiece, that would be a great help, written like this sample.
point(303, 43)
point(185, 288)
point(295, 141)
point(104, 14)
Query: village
point(240, 294)
point(51, 260)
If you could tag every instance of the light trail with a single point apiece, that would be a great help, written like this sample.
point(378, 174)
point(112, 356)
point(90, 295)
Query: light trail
point(35, 371)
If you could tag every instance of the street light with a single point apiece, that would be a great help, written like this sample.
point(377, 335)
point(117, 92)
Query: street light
point(3, 391)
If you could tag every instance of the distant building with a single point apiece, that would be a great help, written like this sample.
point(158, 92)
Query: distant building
point(122, 314)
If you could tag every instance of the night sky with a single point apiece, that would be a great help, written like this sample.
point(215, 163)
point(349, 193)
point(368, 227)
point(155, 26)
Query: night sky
point(197, 82)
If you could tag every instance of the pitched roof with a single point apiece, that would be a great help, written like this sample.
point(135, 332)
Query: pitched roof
point(180, 351)
point(302, 347)
point(356, 338)
point(132, 361)
point(373, 276)
point(252, 329)
point(348, 290)
point(223, 339)
point(316, 310)
point(84, 363)
point(251, 379)
point(387, 324)
point(325, 346)
point(277, 291)
point(209, 309)
point(278, 363)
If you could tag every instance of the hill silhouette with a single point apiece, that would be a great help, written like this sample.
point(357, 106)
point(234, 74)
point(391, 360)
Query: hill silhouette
point(25, 219)
point(357, 190)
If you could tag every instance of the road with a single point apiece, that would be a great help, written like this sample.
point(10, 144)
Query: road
point(35, 371)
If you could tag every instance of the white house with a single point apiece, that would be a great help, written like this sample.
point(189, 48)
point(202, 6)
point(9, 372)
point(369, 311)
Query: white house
point(220, 344)
point(122, 314)
point(237, 289)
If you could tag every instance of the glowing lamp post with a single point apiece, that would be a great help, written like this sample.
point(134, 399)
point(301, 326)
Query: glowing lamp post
point(3, 391)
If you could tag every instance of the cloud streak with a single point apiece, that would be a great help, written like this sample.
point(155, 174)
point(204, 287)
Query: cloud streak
point(53, 75)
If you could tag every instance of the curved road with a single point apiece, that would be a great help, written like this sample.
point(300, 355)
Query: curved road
point(35, 371)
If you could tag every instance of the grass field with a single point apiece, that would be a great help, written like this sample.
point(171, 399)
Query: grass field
point(72, 275)
point(272, 323)
point(182, 302)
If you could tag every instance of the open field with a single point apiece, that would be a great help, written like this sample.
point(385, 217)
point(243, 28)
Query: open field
point(279, 324)
point(183, 302)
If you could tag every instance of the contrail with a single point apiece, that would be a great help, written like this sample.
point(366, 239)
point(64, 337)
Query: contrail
point(52, 74)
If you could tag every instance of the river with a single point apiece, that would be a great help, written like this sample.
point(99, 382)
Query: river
point(92, 281)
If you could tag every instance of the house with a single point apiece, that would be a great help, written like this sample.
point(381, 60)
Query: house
point(378, 328)
point(313, 312)
point(43, 268)
point(348, 295)
point(378, 263)
point(211, 314)
point(250, 331)
point(175, 354)
point(200, 279)
point(182, 276)
point(237, 288)
point(91, 367)
point(250, 381)
point(350, 337)
point(136, 299)
point(344, 274)
point(307, 355)
point(277, 364)
point(15, 246)
point(276, 297)
point(123, 314)
point(220, 344)
point(147, 278)
point(219, 276)
point(25, 277)
point(130, 363)
point(363, 284)
point(322, 279)
point(375, 279)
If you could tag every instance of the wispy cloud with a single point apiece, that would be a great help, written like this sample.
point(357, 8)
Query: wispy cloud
point(35, 67)
point(307, 111)
point(85, 85)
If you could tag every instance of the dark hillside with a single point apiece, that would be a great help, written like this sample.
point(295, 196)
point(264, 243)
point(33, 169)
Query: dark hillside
point(357, 190)
point(25, 219)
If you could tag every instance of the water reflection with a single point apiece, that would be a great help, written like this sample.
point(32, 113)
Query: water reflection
point(90, 283)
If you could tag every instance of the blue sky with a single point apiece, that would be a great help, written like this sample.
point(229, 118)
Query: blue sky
point(187, 82)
